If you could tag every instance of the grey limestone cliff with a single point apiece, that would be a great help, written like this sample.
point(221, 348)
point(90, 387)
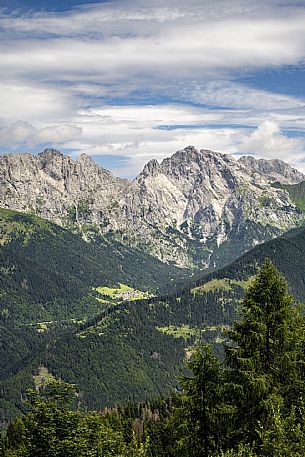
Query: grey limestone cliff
point(196, 208)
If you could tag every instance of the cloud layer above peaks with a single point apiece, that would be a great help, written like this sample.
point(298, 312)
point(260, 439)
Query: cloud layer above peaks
point(140, 79)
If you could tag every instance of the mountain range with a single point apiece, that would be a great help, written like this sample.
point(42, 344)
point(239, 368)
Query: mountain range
point(73, 237)
point(195, 209)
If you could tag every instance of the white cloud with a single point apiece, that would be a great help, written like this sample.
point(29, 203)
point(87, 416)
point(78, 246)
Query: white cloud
point(132, 132)
point(23, 133)
point(230, 94)
point(269, 142)
point(16, 133)
point(55, 134)
point(179, 51)
point(125, 39)
point(34, 102)
point(136, 17)
point(62, 72)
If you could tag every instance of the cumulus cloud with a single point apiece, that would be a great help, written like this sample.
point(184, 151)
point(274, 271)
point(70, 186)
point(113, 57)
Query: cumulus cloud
point(269, 142)
point(55, 134)
point(65, 77)
point(16, 133)
point(23, 133)
point(34, 102)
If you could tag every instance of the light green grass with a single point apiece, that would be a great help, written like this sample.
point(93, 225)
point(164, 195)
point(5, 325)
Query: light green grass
point(101, 300)
point(185, 331)
point(113, 291)
point(42, 327)
point(224, 284)
point(121, 293)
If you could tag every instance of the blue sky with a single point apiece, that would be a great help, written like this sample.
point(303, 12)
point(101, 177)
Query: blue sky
point(128, 81)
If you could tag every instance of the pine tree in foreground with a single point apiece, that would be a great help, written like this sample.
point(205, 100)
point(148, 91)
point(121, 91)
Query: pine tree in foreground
point(266, 358)
point(202, 407)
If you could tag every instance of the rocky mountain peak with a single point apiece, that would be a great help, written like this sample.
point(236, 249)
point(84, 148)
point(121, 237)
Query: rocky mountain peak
point(86, 159)
point(85, 164)
point(188, 154)
point(190, 169)
point(151, 168)
point(50, 153)
point(180, 210)
point(83, 157)
point(53, 162)
point(273, 169)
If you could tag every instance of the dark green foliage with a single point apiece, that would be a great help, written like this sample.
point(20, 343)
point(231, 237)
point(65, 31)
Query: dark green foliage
point(253, 406)
point(203, 411)
point(118, 354)
point(47, 272)
point(52, 429)
point(266, 359)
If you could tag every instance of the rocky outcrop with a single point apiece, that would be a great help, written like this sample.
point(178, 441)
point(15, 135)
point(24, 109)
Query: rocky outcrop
point(195, 208)
point(274, 170)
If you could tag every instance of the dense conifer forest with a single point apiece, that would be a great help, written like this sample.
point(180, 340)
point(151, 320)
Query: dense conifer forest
point(248, 403)
point(116, 352)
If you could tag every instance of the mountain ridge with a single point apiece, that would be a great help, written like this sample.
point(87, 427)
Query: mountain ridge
point(180, 210)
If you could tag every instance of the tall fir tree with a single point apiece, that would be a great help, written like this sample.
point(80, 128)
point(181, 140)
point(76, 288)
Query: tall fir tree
point(265, 358)
point(202, 409)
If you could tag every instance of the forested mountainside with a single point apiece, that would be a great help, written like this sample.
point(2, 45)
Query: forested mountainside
point(50, 279)
point(133, 350)
point(49, 273)
point(249, 406)
point(196, 208)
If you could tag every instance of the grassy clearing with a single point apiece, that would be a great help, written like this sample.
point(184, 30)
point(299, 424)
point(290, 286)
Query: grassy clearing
point(120, 293)
point(42, 327)
point(185, 331)
point(223, 284)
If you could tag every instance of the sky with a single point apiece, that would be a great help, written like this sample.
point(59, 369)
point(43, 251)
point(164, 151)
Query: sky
point(126, 81)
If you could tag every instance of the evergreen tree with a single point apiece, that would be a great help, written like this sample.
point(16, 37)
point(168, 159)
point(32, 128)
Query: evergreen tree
point(52, 429)
point(202, 405)
point(266, 358)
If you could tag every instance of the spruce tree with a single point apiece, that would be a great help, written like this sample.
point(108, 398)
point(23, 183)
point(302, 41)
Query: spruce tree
point(265, 357)
point(202, 406)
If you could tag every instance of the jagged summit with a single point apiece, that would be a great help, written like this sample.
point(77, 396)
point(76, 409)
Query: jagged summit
point(151, 168)
point(192, 154)
point(50, 152)
point(275, 169)
point(197, 207)
point(86, 159)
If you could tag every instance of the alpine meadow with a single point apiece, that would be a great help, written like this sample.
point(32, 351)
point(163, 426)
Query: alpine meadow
point(152, 228)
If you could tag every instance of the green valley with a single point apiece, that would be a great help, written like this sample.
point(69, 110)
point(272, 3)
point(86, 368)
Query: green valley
point(115, 349)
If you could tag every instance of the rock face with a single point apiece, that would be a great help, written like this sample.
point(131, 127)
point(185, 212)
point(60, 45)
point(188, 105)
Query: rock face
point(198, 208)
point(274, 170)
